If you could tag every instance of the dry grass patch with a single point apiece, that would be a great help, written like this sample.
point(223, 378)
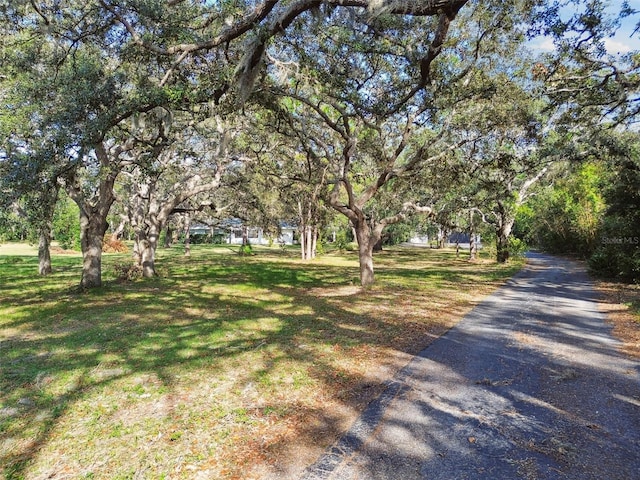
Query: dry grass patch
point(621, 303)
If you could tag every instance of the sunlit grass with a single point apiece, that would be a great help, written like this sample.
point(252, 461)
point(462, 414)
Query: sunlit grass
point(221, 358)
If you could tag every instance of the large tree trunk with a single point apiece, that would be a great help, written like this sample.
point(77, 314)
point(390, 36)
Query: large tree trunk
point(473, 246)
point(94, 212)
point(503, 232)
point(168, 237)
point(443, 235)
point(92, 230)
point(365, 257)
point(303, 242)
point(146, 244)
point(366, 241)
point(44, 252)
point(308, 242)
point(502, 248)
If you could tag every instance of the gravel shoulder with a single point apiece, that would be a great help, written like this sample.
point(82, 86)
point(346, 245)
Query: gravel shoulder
point(529, 385)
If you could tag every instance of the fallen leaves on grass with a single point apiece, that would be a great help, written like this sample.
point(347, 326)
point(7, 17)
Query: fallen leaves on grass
point(621, 303)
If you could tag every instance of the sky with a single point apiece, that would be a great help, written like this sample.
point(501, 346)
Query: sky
point(623, 42)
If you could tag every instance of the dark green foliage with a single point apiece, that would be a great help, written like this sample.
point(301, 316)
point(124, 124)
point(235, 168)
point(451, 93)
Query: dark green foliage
point(398, 233)
point(13, 227)
point(201, 238)
point(618, 255)
point(66, 224)
point(592, 212)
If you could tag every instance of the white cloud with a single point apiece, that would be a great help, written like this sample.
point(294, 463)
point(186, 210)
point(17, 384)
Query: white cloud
point(614, 46)
point(544, 44)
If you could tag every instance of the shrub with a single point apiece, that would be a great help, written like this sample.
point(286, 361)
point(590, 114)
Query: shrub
point(612, 261)
point(351, 247)
point(245, 250)
point(342, 240)
point(127, 272)
point(517, 247)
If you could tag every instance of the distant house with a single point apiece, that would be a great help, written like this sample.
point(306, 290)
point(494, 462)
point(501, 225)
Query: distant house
point(456, 238)
point(200, 229)
point(231, 231)
point(462, 239)
point(419, 239)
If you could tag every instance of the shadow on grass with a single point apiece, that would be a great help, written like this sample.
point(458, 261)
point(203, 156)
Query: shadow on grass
point(60, 347)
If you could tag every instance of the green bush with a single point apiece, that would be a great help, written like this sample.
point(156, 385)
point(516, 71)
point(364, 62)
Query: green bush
point(351, 247)
point(517, 247)
point(245, 250)
point(66, 224)
point(616, 262)
point(343, 238)
point(200, 238)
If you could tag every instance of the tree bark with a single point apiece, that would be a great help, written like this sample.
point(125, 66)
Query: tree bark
point(473, 246)
point(503, 232)
point(307, 216)
point(502, 248)
point(115, 236)
point(94, 212)
point(365, 257)
point(367, 239)
point(187, 235)
point(92, 230)
point(145, 251)
point(44, 252)
point(168, 237)
point(314, 241)
point(303, 242)
point(442, 237)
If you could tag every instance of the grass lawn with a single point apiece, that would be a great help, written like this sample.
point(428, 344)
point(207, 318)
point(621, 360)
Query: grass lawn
point(222, 367)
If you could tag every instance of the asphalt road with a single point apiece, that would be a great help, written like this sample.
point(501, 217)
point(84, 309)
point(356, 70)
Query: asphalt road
point(528, 385)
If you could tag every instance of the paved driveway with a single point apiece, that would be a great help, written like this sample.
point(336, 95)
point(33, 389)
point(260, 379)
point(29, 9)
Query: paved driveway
point(529, 385)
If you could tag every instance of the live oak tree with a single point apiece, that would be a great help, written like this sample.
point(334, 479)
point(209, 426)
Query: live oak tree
point(272, 18)
point(592, 85)
point(86, 80)
point(161, 180)
point(510, 152)
point(285, 165)
point(381, 125)
point(29, 186)
point(31, 157)
point(375, 82)
point(110, 60)
point(71, 106)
